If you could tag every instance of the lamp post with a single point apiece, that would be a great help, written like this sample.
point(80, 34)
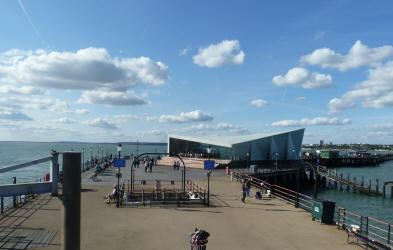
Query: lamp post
point(208, 187)
point(118, 178)
point(209, 150)
point(83, 159)
point(248, 159)
point(276, 154)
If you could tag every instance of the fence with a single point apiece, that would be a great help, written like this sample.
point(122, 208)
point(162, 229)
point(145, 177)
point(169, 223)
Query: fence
point(372, 229)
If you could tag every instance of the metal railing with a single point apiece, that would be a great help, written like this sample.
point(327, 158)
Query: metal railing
point(374, 230)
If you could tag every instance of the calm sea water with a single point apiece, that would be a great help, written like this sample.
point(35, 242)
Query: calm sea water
point(18, 152)
point(362, 204)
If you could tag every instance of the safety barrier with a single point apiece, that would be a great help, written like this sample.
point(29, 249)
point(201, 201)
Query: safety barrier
point(374, 230)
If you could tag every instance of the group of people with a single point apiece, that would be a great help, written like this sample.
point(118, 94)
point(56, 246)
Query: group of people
point(176, 165)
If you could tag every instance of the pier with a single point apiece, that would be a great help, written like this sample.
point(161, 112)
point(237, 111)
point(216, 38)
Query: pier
point(350, 161)
point(269, 223)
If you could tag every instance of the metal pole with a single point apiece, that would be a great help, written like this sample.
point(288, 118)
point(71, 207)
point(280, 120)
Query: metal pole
point(55, 172)
point(118, 185)
point(83, 159)
point(71, 200)
point(1, 205)
point(208, 188)
point(14, 197)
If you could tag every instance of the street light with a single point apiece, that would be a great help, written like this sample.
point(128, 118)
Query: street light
point(209, 150)
point(248, 159)
point(208, 187)
point(276, 154)
point(119, 147)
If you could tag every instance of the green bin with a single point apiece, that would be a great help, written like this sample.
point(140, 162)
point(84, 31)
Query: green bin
point(323, 210)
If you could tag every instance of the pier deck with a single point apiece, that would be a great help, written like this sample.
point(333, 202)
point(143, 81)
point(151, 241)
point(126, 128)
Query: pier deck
point(267, 224)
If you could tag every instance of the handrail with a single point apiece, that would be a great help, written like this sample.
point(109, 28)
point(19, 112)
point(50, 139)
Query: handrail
point(369, 227)
point(25, 164)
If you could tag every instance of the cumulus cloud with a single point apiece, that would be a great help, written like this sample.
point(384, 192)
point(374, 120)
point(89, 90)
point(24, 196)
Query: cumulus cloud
point(183, 117)
point(89, 68)
point(126, 117)
point(14, 115)
point(64, 120)
point(221, 54)
point(224, 127)
point(112, 98)
point(375, 92)
point(259, 103)
point(82, 111)
point(317, 121)
point(101, 123)
point(24, 90)
point(359, 55)
point(302, 77)
point(300, 99)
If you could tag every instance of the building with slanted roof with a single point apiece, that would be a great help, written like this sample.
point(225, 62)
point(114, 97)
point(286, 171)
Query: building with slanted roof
point(260, 147)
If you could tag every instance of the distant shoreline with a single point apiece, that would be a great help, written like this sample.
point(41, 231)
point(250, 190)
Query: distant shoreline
point(124, 143)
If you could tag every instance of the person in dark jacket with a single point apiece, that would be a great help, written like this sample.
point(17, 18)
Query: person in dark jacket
point(243, 191)
point(248, 187)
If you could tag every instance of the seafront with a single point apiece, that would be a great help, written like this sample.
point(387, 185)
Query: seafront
point(258, 224)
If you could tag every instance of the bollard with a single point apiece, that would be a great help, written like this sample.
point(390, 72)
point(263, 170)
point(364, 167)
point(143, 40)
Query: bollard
point(71, 200)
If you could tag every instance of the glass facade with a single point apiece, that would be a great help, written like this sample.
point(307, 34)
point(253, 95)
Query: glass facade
point(199, 149)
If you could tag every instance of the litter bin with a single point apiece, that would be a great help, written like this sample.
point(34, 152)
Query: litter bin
point(323, 210)
point(254, 169)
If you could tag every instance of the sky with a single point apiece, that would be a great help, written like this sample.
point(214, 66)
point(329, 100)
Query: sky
point(109, 71)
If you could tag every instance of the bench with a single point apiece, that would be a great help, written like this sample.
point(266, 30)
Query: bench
point(355, 232)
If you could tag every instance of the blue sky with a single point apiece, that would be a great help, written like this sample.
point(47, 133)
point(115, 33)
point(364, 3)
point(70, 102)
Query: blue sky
point(128, 70)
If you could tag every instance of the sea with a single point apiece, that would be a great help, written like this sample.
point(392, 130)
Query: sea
point(12, 153)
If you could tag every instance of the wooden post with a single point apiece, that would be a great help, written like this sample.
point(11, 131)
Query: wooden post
point(377, 186)
point(341, 182)
point(362, 183)
point(383, 191)
point(348, 182)
point(391, 191)
point(354, 185)
point(369, 185)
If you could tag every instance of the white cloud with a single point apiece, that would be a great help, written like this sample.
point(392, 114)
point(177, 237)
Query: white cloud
point(14, 116)
point(112, 98)
point(24, 90)
point(259, 103)
point(375, 92)
point(359, 55)
point(152, 132)
point(89, 68)
point(64, 120)
point(317, 121)
point(101, 123)
point(221, 54)
point(183, 117)
point(184, 52)
point(319, 35)
point(223, 127)
point(126, 117)
point(300, 99)
point(82, 111)
point(302, 77)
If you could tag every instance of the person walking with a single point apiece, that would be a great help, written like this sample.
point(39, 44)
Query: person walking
point(178, 165)
point(146, 166)
point(248, 187)
point(243, 191)
point(174, 165)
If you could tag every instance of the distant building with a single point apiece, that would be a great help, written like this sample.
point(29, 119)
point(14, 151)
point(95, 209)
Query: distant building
point(321, 143)
point(280, 146)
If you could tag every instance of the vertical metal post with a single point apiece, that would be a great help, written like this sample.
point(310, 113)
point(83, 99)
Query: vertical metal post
point(389, 233)
point(208, 188)
point(367, 226)
point(376, 186)
point(1, 205)
point(71, 200)
point(54, 175)
point(14, 197)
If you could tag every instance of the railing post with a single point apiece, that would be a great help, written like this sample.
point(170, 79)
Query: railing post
point(388, 234)
point(14, 197)
point(367, 226)
point(1, 205)
point(338, 217)
point(54, 172)
point(344, 218)
point(71, 200)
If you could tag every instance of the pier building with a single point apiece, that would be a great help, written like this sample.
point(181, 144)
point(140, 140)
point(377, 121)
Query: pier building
point(259, 147)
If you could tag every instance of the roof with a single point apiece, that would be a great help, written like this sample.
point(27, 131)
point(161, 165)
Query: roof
point(228, 141)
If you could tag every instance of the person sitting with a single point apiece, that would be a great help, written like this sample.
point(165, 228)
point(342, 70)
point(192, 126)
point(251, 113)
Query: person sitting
point(111, 196)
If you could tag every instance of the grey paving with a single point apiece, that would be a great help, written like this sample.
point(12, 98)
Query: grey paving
point(108, 177)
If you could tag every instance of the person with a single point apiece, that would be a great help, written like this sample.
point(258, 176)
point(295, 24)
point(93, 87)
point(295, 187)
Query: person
point(243, 191)
point(137, 163)
point(151, 165)
point(146, 165)
point(248, 187)
point(178, 165)
point(98, 169)
point(174, 165)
